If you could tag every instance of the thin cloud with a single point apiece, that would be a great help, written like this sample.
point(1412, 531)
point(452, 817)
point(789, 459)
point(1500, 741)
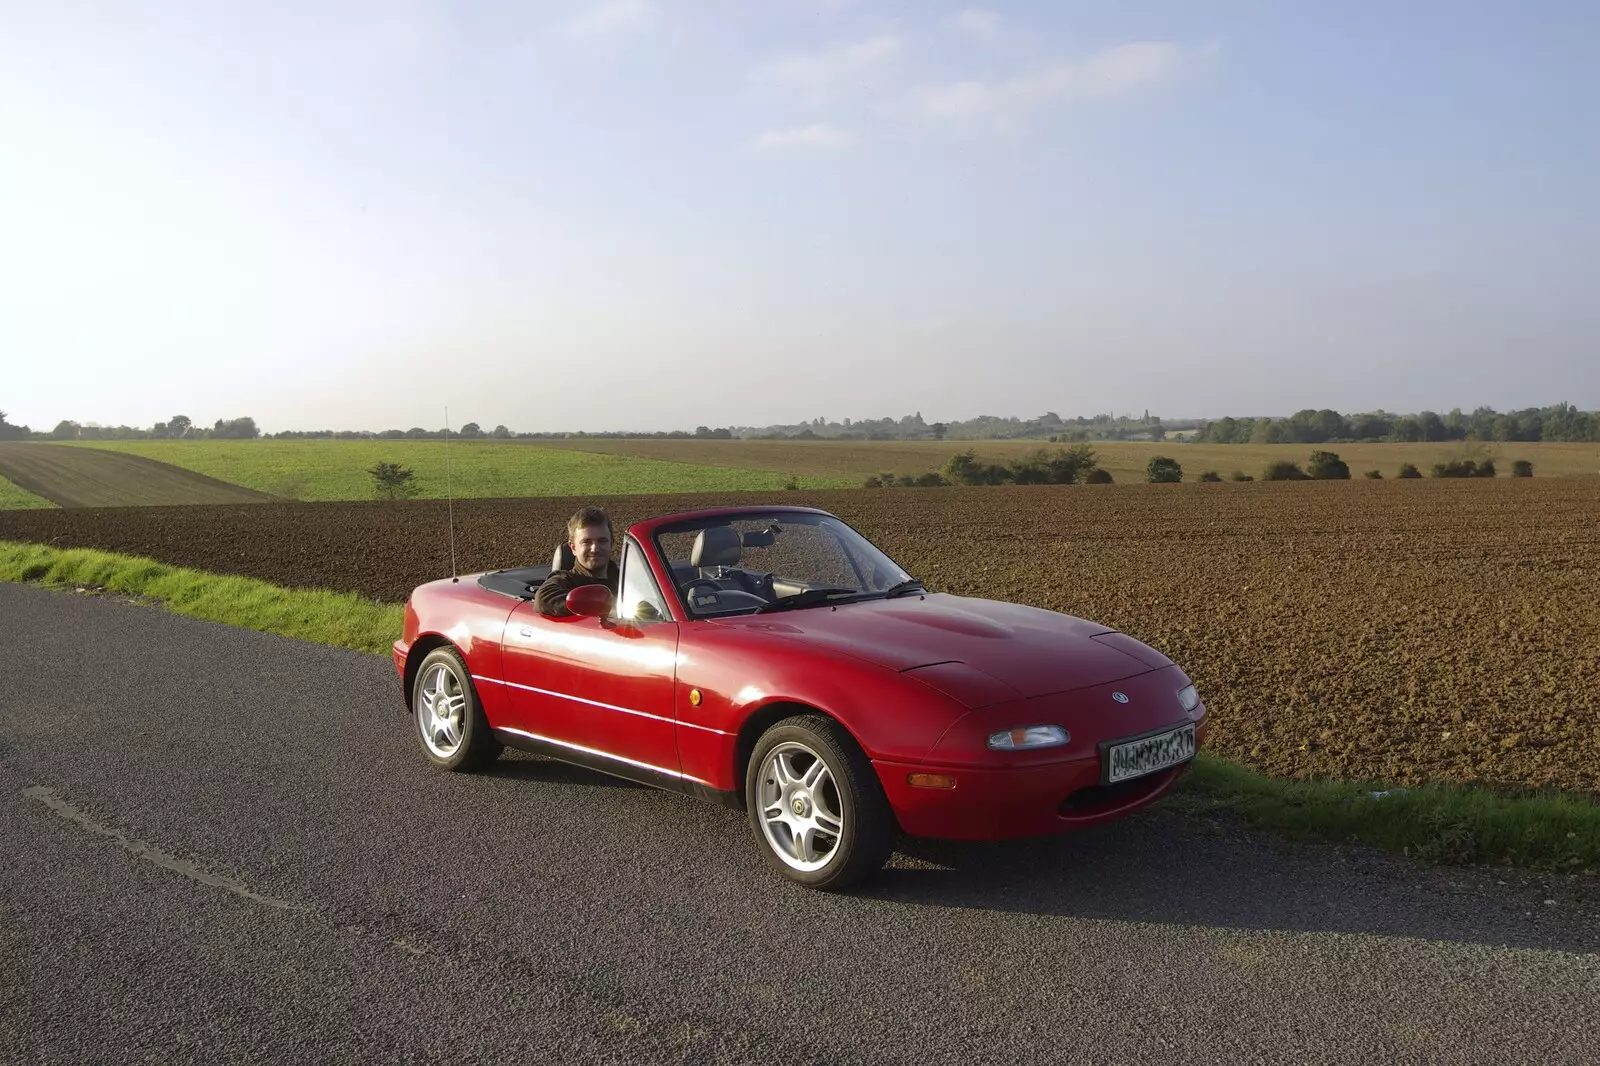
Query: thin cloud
point(835, 71)
point(977, 21)
point(613, 19)
point(818, 135)
point(1113, 72)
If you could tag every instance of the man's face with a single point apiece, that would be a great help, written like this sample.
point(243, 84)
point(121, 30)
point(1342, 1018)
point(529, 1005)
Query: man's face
point(592, 548)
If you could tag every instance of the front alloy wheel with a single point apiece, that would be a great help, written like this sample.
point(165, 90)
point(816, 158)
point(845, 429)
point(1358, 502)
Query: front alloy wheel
point(816, 804)
point(450, 724)
point(802, 815)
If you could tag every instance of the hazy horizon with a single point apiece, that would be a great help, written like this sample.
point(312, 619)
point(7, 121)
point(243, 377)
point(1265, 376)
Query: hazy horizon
point(640, 215)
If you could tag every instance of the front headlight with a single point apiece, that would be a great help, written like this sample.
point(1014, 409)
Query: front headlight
point(1188, 698)
point(1033, 736)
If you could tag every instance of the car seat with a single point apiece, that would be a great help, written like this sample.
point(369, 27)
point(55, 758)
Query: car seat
point(716, 554)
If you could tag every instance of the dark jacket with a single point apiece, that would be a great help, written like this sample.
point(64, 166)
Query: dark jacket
point(551, 598)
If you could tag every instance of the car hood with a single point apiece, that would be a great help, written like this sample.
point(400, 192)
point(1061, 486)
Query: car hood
point(978, 651)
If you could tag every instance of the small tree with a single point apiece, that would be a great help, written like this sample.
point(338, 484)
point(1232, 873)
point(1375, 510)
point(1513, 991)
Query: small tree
point(392, 482)
point(1522, 468)
point(1376, 475)
point(1163, 470)
point(1485, 468)
point(1409, 470)
point(1240, 475)
point(1327, 466)
point(1210, 475)
point(1097, 476)
point(1284, 470)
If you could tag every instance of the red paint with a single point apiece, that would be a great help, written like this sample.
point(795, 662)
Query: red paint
point(919, 682)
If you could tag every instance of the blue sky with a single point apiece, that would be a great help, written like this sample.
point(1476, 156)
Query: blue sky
point(651, 214)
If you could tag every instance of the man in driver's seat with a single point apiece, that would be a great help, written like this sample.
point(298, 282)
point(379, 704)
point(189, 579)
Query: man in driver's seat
point(589, 539)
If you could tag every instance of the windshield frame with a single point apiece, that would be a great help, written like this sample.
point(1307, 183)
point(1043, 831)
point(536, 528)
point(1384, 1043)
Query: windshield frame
point(783, 516)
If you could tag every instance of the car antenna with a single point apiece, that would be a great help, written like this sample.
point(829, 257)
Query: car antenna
point(449, 498)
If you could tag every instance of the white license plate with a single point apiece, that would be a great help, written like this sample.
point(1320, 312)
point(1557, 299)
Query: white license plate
point(1135, 758)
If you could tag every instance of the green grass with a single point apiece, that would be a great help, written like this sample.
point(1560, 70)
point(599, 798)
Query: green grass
point(15, 498)
point(340, 619)
point(1451, 824)
point(1435, 823)
point(337, 470)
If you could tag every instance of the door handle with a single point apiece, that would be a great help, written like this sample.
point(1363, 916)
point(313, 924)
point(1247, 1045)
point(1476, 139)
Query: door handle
point(527, 632)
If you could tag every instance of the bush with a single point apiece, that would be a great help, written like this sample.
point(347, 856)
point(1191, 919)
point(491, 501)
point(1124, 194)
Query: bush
point(1284, 470)
point(1522, 468)
point(793, 484)
point(1240, 475)
point(929, 480)
point(1097, 476)
point(1376, 475)
point(1456, 468)
point(873, 482)
point(963, 468)
point(1486, 468)
point(1210, 475)
point(1408, 470)
point(1327, 466)
point(1044, 466)
point(1163, 471)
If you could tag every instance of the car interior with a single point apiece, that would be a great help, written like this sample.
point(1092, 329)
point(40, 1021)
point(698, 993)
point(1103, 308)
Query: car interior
point(711, 580)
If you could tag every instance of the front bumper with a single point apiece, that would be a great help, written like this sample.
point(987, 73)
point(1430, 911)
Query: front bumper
point(1025, 801)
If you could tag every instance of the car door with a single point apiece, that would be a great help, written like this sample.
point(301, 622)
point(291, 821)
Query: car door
point(601, 689)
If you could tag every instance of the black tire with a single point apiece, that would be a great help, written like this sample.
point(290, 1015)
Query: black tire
point(477, 746)
point(868, 827)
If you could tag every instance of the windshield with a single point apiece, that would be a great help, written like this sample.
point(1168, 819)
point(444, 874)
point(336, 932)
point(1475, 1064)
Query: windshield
point(773, 562)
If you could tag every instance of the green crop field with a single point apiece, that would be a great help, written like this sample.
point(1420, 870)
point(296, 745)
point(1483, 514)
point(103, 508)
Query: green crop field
point(14, 498)
point(853, 461)
point(337, 470)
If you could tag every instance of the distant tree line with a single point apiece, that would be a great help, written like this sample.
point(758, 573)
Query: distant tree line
point(1562, 422)
point(178, 427)
point(1048, 426)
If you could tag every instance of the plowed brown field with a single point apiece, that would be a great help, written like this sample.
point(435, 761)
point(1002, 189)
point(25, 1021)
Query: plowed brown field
point(1407, 631)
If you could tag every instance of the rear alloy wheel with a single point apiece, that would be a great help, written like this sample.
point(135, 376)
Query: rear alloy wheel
point(816, 805)
point(450, 724)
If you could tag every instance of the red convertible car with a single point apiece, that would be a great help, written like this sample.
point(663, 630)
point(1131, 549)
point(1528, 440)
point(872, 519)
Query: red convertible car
point(773, 659)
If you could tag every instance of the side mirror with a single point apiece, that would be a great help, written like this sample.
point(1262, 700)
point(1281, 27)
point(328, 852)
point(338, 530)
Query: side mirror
point(646, 612)
point(591, 601)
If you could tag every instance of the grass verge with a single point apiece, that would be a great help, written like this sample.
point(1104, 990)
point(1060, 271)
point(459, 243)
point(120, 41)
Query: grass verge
point(1436, 823)
point(340, 619)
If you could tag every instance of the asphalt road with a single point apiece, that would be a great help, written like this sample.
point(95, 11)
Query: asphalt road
point(222, 846)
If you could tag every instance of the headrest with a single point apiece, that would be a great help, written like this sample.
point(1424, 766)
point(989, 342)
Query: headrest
point(562, 559)
point(715, 546)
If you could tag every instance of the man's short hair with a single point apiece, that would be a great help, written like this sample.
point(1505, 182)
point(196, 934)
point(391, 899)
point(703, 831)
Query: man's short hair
point(588, 516)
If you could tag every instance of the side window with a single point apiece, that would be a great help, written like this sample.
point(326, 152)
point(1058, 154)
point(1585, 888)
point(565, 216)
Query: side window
point(640, 598)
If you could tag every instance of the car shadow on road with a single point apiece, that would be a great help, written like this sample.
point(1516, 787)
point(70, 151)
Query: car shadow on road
point(1175, 868)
